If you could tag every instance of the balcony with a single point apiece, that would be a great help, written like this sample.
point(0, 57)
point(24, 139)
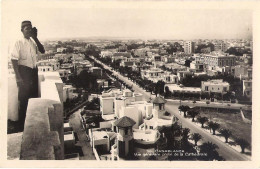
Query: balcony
point(43, 135)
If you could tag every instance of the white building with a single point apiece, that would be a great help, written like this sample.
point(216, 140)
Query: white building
point(189, 47)
point(60, 50)
point(112, 100)
point(47, 65)
point(153, 74)
point(106, 54)
point(215, 86)
point(181, 89)
point(183, 74)
point(69, 92)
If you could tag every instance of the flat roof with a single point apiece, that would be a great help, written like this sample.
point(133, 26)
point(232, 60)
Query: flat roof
point(185, 89)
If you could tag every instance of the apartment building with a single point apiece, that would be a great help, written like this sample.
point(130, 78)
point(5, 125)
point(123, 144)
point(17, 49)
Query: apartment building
point(189, 47)
point(219, 60)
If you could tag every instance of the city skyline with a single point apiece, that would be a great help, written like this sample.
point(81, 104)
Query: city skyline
point(133, 22)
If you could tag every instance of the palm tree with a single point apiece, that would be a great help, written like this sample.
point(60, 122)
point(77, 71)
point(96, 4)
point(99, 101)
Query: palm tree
point(202, 120)
point(185, 134)
point(243, 144)
point(196, 137)
point(214, 126)
point(210, 149)
point(226, 133)
point(193, 114)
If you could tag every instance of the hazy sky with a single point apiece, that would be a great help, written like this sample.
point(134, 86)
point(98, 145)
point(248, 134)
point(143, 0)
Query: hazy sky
point(59, 21)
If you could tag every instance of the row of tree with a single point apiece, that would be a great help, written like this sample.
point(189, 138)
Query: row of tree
point(175, 137)
point(214, 126)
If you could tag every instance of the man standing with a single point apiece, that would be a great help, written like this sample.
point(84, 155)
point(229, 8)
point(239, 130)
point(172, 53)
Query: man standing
point(24, 58)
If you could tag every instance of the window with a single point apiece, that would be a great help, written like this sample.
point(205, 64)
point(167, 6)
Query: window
point(160, 106)
point(151, 127)
point(126, 131)
point(206, 88)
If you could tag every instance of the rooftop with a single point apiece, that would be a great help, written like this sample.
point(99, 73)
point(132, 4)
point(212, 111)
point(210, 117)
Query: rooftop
point(159, 100)
point(176, 87)
point(124, 122)
point(215, 81)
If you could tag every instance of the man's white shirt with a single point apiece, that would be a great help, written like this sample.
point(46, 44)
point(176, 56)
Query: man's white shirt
point(25, 51)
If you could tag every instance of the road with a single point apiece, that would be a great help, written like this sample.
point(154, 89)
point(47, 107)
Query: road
point(172, 107)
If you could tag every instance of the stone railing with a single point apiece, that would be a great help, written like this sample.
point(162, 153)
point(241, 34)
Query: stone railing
point(43, 136)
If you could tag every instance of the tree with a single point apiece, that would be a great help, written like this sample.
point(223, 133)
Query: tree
point(185, 135)
point(86, 80)
point(167, 92)
point(196, 137)
point(187, 63)
point(185, 109)
point(226, 133)
point(202, 120)
point(242, 143)
point(181, 108)
point(211, 150)
point(214, 126)
point(193, 114)
point(159, 87)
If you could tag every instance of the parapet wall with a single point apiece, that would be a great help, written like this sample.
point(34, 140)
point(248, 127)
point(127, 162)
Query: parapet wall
point(43, 136)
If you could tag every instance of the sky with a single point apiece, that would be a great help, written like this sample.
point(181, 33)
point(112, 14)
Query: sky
point(65, 19)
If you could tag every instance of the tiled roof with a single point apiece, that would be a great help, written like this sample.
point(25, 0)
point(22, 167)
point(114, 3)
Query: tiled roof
point(159, 100)
point(125, 122)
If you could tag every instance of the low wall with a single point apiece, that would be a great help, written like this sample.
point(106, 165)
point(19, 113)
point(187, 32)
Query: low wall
point(43, 136)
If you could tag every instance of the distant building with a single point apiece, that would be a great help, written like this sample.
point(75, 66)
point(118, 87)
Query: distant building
point(220, 46)
point(69, 92)
point(170, 78)
point(189, 47)
point(122, 48)
point(169, 59)
point(181, 89)
point(183, 74)
point(47, 65)
point(127, 63)
point(64, 73)
point(215, 86)
point(242, 72)
point(219, 60)
point(153, 74)
point(61, 50)
point(197, 66)
point(121, 55)
point(205, 50)
point(110, 101)
point(97, 71)
point(157, 58)
point(106, 54)
point(247, 89)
